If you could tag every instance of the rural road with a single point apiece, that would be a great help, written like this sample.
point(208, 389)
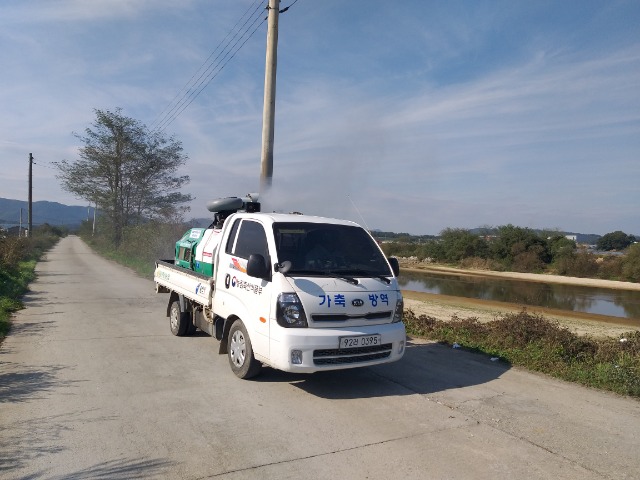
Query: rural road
point(93, 385)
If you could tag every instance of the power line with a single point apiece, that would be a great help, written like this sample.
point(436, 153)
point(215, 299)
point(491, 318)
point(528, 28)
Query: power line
point(44, 165)
point(193, 88)
point(287, 8)
point(186, 86)
point(210, 73)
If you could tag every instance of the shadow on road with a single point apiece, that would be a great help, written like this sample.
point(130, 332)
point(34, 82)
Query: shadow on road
point(23, 442)
point(26, 384)
point(425, 368)
point(115, 469)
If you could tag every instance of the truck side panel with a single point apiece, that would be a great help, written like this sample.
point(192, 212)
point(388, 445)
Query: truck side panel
point(192, 285)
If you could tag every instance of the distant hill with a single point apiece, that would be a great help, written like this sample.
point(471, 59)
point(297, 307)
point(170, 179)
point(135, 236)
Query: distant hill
point(52, 213)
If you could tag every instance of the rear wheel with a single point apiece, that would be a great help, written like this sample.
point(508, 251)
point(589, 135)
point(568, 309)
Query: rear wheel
point(178, 320)
point(240, 352)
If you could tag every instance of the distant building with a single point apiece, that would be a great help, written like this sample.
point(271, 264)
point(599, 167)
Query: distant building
point(571, 237)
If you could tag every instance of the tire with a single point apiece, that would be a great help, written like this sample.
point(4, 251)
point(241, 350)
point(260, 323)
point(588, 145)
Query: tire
point(178, 321)
point(240, 352)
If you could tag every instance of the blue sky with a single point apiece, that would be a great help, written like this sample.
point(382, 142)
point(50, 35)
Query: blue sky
point(409, 116)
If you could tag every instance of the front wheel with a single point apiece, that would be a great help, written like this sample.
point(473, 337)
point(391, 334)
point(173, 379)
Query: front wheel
point(240, 353)
point(178, 321)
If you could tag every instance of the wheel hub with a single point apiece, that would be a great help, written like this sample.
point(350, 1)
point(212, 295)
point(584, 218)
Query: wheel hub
point(238, 348)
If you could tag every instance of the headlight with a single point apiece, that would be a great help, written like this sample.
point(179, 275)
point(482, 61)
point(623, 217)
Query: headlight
point(290, 313)
point(397, 314)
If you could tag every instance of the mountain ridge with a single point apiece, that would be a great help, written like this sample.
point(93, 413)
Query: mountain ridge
point(44, 211)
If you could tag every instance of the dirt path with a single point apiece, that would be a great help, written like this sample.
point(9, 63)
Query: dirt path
point(443, 307)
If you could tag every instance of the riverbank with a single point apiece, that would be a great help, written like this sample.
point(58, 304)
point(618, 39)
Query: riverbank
point(530, 277)
point(443, 307)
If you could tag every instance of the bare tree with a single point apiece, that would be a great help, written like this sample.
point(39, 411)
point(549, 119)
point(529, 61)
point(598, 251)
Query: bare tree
point(128, 171)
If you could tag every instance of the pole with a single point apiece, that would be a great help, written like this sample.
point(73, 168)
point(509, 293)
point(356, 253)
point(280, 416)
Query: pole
point(30, 232)
point(269, 109)
point(20, 229)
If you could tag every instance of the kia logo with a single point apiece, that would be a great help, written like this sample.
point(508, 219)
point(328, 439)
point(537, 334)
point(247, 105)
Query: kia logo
point(357, 302)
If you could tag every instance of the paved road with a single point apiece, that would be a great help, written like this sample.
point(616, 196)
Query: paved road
point(93, 385)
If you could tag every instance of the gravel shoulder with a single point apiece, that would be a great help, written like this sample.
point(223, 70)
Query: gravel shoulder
point(443, 307)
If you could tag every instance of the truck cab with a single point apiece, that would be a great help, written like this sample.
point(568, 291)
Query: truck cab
point(313, 293)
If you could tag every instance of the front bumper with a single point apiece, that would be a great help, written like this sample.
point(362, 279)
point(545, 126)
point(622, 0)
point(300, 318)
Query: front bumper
point(318, 348)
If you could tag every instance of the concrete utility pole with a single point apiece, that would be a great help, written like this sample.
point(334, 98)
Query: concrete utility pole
point(268, 115)
point(30, 232)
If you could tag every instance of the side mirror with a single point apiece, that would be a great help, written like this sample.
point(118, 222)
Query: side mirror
point(283, 267)
point(257, 267)
point(395, 265)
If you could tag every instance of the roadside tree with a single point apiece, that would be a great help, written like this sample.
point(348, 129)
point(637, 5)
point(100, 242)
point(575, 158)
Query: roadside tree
point(617, 240)
point(127, 170)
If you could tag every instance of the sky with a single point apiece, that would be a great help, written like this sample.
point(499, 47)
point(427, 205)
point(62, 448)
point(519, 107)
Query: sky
point(408, 116)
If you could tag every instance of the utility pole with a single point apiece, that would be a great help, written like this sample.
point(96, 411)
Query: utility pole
point(269, 109)
point(30, 232)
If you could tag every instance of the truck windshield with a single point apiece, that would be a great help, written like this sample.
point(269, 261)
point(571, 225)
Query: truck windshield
point(323, 249)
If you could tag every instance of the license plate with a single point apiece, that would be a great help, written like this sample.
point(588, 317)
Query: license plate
point(360, 341)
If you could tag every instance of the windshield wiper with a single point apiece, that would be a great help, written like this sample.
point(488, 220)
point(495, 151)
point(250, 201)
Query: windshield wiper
point(341, 276)
point(364, 273)
point(324, 273)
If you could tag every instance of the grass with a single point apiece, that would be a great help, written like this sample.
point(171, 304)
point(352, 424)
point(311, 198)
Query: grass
point(13, 284)
point(536, 343)
point(143, 267)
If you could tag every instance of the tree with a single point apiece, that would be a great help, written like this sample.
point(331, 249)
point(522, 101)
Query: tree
point(615, 241)
point(520, 248)
point(560, 246)
point(459, 243)
point(127, 170)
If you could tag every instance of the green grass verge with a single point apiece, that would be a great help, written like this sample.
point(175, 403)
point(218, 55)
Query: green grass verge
point(536, 343)
point(143, 267)
point(14, 283)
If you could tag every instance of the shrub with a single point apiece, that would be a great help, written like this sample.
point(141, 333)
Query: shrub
point(610, 268)
point(12, 250)
point(583, 264)
point(631, 264)
point(476, 263)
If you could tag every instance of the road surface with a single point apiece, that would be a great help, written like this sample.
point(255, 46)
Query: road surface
point(93, 385)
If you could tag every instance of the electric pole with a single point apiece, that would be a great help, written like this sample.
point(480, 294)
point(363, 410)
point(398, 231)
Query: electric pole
point(269, 109)
point(30, 221)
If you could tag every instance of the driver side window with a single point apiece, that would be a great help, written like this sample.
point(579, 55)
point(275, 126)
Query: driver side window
point(251, 239)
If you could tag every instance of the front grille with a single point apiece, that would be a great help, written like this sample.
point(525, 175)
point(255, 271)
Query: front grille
point(338, 356)
point(344, 318)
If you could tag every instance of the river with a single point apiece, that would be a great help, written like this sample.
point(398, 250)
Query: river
point(600, 301)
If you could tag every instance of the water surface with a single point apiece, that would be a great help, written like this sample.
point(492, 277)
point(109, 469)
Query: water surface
point(601, 301)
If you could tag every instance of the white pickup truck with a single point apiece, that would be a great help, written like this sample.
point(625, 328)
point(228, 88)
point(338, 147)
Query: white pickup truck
point(297, 293)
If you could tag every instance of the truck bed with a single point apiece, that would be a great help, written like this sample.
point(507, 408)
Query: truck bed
point(193, 285)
